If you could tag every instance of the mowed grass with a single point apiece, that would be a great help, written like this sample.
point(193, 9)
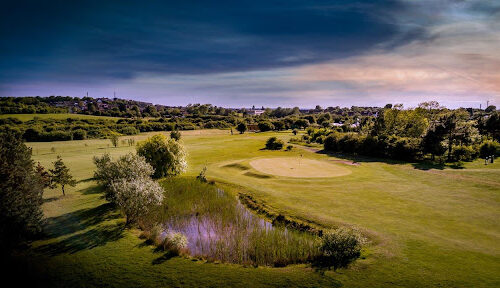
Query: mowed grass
point(428, 227)
point(27, 117)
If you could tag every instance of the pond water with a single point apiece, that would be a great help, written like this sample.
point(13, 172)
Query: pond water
point(206, 233)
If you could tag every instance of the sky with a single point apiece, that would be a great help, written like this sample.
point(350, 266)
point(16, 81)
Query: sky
point(261, 52)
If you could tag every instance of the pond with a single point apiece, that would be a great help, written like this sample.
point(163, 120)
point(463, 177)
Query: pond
point(218, 227)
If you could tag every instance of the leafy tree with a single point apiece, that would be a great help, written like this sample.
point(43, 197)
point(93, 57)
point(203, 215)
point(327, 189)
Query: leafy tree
point(432, 142)
point(490, 109)
point(136, 197)
point(21, 191)
point(60, 175)
point(176, 135)
point(167, 156)
point(114, 139)
point(295, 131)
point(265, 126)
point(274, 143)
point(242, 127)
point(340, 248)
point(129, 167)
point(453, 124)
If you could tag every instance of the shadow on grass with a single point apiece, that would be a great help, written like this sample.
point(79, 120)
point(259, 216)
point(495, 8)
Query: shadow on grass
point(83, 241)
point(98, 189)
point(79, 220)
point(86, 180)
point(51, 199)
point(420, 165)
point(165, 257)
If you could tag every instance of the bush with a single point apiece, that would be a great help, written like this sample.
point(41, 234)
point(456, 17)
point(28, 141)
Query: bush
point(289, 148)
point(274, 144)
point(136, 197)
point(175, 242)
point(129, 130)
point(242, 127)
point(489, 148)
point(167, 156)
point(339, 248)
point(463, 153)
point(176, 135)
point(79, 134)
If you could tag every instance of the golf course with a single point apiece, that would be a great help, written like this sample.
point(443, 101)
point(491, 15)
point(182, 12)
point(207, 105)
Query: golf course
point(425, 225)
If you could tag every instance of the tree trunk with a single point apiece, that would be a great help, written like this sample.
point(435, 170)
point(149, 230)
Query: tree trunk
point(62, 186)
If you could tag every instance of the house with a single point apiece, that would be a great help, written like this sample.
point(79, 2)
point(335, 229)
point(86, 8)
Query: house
point(253, 128)
point(256, 112)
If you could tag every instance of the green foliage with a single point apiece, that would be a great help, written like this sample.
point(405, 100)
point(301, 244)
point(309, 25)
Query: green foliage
point(464, 153)
point(295, 131)
point(242, 127)
point(202, 176)
point(167, 156)
point(79, 134)
point(340, 247)
point(175, 242)
point(489, 148)
point(265, 126)
point(21, 190)
point(114, 139)
point(274, 143)
point(136, 197)
point(60, 175)
point(176, 135)
point(129, 166)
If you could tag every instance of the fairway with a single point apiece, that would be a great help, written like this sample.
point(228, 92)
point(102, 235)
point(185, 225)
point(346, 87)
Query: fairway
point(298, 167)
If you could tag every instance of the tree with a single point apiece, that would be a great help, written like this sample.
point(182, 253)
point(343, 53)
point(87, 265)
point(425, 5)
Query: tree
point(60, 175)
point(44, 175)
point(490, 109)
point(242, 127)
point(21, 191)
point(167, 156)
point(176, 135)
point(114, 139)
point(453, 124)
point(274, 144)
point(129, 167)
point(265, 126)
point(136, 197)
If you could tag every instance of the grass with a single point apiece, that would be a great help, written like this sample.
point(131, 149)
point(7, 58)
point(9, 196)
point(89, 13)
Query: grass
point(27, 117)
point(428, 226)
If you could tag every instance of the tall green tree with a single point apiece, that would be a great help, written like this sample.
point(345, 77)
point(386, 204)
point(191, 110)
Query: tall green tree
point(21, 191)
point(167, 156)
point(60, 175)
point(242, 127)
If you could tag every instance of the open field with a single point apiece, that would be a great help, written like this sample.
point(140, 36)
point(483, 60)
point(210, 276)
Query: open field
point(27, 117)
point(428, 227)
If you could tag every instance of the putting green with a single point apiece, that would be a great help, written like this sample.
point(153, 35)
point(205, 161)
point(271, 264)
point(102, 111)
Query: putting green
point(298, 167)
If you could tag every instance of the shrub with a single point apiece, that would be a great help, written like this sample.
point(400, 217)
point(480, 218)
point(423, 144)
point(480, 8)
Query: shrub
point(79, 134)
point(176, 135)
point(129, 166)
point(289, 148)
point(295, 131)
point(129, 130)
point(340, 247)
point(167, 156)
point(175, 242)
point(274, 144)
point(136, 197)
point(463, 153)
point(489, 148)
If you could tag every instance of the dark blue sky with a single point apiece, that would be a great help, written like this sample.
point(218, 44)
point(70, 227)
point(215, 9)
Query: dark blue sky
point(228, 53)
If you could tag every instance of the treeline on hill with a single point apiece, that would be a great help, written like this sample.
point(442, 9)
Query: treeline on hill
point(414, 134)
point(29, 105)
point(44, 130)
